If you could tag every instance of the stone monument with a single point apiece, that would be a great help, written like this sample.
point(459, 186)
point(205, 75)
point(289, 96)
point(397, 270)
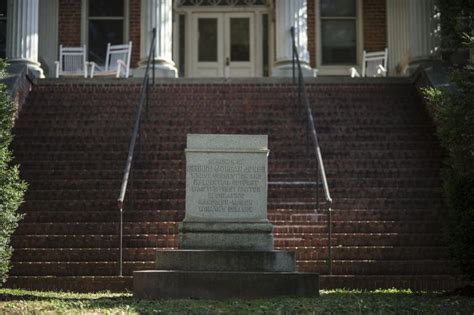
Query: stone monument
point(225, 241)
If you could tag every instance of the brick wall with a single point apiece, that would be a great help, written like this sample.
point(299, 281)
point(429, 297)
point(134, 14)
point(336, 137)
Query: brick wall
point(134, 30)
point(375, 25)
point(311, 32)
point(70, 25)
point(70, 22)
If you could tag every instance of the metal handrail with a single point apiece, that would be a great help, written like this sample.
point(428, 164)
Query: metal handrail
point(303, 101)
point(131, 149)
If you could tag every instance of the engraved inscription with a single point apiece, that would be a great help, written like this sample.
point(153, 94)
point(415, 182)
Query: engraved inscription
point(226, 185)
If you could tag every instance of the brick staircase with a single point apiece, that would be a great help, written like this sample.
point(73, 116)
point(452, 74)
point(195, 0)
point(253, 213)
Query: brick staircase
point(381, 157)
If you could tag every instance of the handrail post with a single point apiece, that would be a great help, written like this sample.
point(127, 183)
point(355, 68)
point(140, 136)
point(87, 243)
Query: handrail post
point(329, 239)
point(121, 243)
point(153, 52)
point(302, 97)
point(292, 30)
point(128, 172)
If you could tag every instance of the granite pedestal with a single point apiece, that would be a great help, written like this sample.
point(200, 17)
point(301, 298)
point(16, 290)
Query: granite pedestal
point(225, 240)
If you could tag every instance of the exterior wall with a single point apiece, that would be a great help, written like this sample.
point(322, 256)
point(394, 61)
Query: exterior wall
point(70, 25)
point(312, 31)
point(374, 17)
point(70, 22)
point(134, 30)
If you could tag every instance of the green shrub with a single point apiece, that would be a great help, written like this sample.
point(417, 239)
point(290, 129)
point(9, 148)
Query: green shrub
point(453, 112)
point(11, 187)
point(456, 17)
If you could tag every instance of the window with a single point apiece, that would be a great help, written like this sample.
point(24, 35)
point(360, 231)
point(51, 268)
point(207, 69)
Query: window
point(3, 28)
point(105, 24)
point(338, 31)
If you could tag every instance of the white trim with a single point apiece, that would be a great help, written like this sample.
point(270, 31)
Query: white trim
point(336, 69)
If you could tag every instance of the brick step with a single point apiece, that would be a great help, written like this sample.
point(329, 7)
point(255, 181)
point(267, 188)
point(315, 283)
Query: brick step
point(414, 227)
point(278, 216)
point(389, 203)
point(378, 267)
point(179, 183)
point(364, 175)
point(94, 241)
point(361, 282)
point(53, 228)
point(101, 216)
point(274, 193)
point(178, 204)
point(338, 165)
point(379, 253)
point(290, 215)
point(287, 152)
point(283, 241)
point(78, 268)
point(73, 284)
point(179, 145)
point(152, 138)
point(83, 254)
point(373, 282)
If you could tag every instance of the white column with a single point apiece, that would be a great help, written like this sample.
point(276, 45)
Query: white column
point(413, 34)
point(48, 35)
point(157, 14)
point(288, 14)
point(22, 34)
point(423, 29)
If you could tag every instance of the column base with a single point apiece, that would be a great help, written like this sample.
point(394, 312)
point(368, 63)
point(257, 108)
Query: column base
point(286, 70)
point(162, 70)
point(34, 68)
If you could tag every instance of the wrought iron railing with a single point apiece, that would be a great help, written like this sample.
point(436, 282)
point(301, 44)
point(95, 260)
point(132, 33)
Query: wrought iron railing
point(312, 136)
point(143, 101)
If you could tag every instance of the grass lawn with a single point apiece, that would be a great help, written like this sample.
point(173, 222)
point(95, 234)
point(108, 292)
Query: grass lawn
point(330, 302)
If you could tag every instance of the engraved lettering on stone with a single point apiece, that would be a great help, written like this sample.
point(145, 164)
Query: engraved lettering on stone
point(226, 185)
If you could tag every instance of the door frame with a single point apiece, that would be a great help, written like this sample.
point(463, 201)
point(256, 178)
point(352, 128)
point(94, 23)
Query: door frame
point(258, 11)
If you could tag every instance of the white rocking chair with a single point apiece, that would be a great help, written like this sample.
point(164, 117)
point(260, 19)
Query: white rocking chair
point(374, 65)
point(72, 61)
point(117, 61)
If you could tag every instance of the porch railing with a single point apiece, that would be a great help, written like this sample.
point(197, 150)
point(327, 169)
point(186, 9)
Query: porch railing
point(143, 101)
point(311, 134)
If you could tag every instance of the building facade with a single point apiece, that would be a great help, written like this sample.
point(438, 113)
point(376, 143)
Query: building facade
point(223, 38)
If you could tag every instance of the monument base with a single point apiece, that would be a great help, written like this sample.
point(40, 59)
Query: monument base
point(176, 284)
point(225, 260)
point(256, 236)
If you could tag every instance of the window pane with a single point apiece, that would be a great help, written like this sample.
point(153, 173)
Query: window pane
point(239, 39)
point(207, 40)
point(3, 8)
point(338, 42)
point(101, 33)
point(3, 38)
point(106, 8)
point(338, 8)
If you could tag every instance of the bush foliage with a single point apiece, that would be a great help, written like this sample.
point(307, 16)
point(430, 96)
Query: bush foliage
point(11, 187)
point(453, 112)
point(457, 18)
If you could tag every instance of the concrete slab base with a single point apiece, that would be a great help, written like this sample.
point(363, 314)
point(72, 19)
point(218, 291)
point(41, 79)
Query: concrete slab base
point(173, 284)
